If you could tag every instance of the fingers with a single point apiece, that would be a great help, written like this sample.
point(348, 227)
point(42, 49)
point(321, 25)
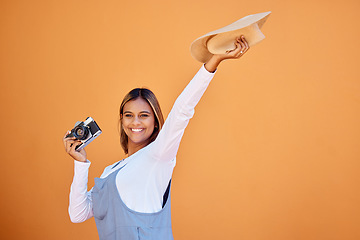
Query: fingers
point(74, 145)
point(67, 133)
point(70, 144)
point(241, 47)
point(68, 140)
point(244, 45)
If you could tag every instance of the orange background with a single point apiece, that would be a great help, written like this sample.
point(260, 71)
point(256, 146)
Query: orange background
point(271, 154)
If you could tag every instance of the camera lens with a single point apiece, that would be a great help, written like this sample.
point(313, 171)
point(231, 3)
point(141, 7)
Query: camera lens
point(81, 132)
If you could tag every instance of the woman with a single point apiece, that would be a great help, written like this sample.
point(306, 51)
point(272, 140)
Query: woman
point(131, 198)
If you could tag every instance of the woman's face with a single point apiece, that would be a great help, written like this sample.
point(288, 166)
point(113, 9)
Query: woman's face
point(138, 122)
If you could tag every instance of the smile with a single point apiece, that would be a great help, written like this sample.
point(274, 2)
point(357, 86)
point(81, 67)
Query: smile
point(137, 129)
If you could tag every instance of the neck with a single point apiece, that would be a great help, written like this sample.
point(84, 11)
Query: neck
point(134, 147)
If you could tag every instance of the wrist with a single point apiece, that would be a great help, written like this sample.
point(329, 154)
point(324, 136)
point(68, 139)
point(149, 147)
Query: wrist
point(78, 160)
point(213, 63)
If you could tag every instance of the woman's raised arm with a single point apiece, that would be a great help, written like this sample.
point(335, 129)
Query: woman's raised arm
point(166, 145)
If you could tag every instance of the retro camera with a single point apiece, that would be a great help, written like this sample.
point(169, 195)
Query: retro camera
point(85, 131)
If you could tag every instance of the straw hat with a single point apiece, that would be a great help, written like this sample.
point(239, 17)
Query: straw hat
point(223, 39)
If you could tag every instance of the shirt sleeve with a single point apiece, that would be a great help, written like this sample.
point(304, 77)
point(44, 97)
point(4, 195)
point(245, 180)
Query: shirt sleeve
point(167, 143)
point(80, 202)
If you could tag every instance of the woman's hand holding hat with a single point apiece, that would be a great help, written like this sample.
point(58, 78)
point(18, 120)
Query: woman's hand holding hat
point(221, 40)
point(242, 47)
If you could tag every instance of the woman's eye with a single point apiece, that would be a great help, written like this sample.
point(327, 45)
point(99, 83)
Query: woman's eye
point(144, 115)
point(128, 115)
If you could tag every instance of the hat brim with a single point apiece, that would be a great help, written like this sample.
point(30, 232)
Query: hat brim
point(223, 39)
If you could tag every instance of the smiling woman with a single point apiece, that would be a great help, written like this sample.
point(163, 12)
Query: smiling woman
point(131, 199)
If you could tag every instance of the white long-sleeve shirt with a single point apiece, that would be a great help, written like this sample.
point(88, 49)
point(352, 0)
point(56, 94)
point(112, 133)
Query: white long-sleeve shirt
point(143, 181)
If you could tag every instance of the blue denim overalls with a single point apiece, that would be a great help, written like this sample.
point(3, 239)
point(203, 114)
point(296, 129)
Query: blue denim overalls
point(115, 221)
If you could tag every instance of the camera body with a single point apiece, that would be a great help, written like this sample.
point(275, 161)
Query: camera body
point(86, 132)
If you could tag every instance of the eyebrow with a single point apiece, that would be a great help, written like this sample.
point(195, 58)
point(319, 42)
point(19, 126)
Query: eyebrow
point(140, 112)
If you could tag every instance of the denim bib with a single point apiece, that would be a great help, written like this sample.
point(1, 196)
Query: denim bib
point(115, 221)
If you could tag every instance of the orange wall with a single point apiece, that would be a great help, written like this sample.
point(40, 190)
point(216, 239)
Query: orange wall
point(271, 154)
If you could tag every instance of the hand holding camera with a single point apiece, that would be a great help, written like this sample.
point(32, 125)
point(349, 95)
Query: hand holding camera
point(70, 144)
point(79, 137)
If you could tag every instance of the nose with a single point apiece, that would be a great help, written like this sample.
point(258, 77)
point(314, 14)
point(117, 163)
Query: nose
point(136, 120)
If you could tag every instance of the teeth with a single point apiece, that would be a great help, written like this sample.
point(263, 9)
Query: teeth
point(136, 129)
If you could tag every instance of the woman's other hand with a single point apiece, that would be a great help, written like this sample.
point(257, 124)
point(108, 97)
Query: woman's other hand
point(241, 48)
point(70, 144)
